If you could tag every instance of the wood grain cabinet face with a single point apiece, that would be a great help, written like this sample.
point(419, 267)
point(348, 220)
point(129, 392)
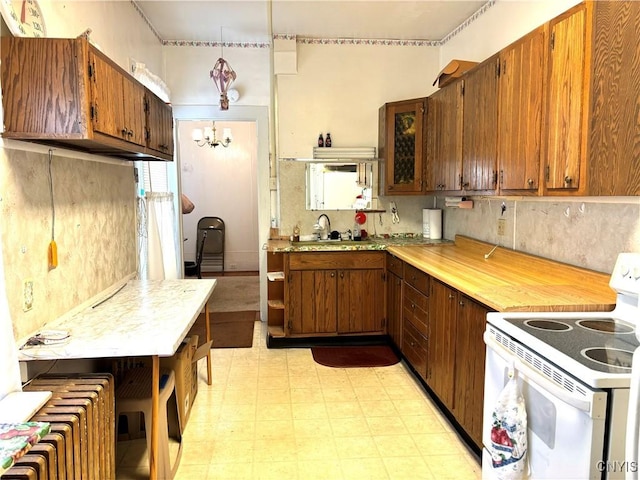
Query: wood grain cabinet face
point(402, 147)
point(443, 311)
point(394, 307)
point(520, 99)
point(566, 101)
point(469, 368)
point(613, 165)
point(53, 85)
point(329, 294)
point(117, 102)
point(159, 130)
point(444, 139)
point(480, 135)
point(65, 92)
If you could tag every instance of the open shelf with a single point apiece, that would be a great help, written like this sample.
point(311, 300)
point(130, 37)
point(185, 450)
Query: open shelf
point(276, 304)
point(275, 276)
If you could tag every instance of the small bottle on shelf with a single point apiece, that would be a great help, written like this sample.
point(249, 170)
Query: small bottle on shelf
point(296, 233)
point(320, 141)
point(327, 142)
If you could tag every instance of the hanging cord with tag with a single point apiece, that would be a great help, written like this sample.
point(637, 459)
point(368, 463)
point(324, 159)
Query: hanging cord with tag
point(53, 248)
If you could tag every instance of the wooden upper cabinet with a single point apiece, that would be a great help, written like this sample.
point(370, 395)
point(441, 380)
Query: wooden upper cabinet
point(566, 101)
point(520, 113)
point(159, 131)
point(614, 137)
point(444, 139)
point(52, 86)
point(401, 146)
point(117, 102)
point(65, 92)
point(480, 121)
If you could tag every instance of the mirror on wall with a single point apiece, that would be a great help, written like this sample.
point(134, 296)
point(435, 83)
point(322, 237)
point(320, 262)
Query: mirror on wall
point(339, 186)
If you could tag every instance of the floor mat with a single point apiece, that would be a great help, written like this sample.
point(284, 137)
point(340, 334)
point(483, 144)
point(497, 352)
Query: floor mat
point(228, 329)
point(355, 356)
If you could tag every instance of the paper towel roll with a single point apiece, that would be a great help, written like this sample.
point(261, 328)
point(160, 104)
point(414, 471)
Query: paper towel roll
point(425, 223)
point(435, 223)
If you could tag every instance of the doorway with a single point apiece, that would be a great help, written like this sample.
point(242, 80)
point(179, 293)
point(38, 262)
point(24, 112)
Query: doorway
point(222, 182)
point(259, 117)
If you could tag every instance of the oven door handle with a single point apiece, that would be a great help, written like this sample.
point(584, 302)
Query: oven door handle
point(537, 378)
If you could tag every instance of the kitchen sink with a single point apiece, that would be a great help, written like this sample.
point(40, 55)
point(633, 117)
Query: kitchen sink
point(322, 243)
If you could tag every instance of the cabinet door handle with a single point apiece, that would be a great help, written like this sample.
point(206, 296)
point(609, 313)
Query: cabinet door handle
point(461, 303)
point(568, 179)
point(530, 182)
point(333, 274)
point(451, 296)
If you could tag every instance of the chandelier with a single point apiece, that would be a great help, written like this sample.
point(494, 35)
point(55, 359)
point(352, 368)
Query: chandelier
point(208, 137)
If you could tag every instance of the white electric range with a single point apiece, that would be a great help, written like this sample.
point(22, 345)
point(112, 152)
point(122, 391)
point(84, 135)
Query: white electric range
point(574, 372)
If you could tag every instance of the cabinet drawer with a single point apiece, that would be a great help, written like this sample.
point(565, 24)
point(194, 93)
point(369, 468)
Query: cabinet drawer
point(416, 278)
point(336, 260)
point(414, 348)
point(394, 265)
point(415, 309)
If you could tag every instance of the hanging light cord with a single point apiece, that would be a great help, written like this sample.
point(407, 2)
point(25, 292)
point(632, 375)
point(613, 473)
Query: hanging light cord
point(53, 206)
point(53, 248)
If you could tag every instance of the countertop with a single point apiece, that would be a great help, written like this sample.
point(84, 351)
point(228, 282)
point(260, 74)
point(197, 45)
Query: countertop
point(506, 281)
point(509, 280)
point(138, 319)
point(371, 243)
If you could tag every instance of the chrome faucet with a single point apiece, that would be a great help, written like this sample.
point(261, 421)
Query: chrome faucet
point(324, 226)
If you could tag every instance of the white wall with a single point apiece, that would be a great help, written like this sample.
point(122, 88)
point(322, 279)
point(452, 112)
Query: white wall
point(187, 74)
point(222, 182)
point(500, 25)
point(116, 28)
point(339, 89)
point(94, 196)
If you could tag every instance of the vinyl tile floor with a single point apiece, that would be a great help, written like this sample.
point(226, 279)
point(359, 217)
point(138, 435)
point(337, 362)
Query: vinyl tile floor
point(276, 414)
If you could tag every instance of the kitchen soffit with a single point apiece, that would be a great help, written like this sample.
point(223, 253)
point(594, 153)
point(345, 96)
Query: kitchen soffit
point(247, 21)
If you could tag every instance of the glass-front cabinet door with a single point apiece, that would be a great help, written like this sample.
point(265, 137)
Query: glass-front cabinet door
point(402, 146)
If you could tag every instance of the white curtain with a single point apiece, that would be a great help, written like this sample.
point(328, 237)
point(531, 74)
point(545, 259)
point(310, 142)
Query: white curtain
point(158, 260)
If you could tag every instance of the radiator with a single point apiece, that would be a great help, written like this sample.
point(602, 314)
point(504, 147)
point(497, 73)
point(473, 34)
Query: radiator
point(81, 443)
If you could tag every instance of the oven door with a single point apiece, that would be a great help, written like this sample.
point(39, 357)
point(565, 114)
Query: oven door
point(566, 429)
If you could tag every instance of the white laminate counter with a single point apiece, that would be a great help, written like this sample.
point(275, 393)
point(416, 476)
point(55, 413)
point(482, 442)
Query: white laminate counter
point(144, 317)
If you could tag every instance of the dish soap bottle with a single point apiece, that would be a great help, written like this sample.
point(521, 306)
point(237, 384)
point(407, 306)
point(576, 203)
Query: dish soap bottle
point(296, 233)
point(357, 235)
point(320, 141)
point(327, 142)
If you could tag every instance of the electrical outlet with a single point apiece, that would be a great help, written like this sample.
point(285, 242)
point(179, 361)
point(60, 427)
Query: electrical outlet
point(27, 295)
point(502, 225)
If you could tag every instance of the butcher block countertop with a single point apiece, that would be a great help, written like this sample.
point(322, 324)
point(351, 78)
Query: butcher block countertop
point(509, 280)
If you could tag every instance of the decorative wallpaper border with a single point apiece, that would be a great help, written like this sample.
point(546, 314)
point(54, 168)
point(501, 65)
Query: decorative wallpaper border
point(319, 41)
point(198, 43)
point(145, 19)
point(367, 41)
point(481, 11)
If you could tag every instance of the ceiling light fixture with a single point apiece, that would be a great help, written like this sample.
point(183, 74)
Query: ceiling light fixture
point(208, 137)
point(223, 76)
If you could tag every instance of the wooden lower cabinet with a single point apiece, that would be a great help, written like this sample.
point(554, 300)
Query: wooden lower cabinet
point(335, 293)
point(312, 302)
point(442, 337)
point(360, 309)
point(414, 348)
point(442, 340)
point(393, 299)
point(469, 366)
